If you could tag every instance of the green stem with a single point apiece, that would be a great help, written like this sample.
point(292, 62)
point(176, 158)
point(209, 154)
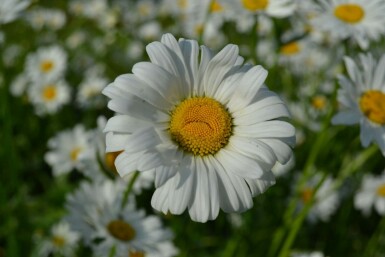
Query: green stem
point(375, 241)
point(129, 188)
point(296, 225)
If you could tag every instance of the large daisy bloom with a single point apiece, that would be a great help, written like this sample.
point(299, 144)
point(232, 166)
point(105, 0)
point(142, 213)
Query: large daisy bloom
point(10, 9)
point(362, 99)
point(209, 128)
point(371, 194)
point(362, 20)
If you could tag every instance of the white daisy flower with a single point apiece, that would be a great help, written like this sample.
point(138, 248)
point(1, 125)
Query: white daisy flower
point(362, 20)
point(62, 241)
point(19, 85)
point(326, 199)
point(273, 8)
point(47, 64)
point(362, 99)
point(10, 9)
point(95, 210)
point(89, 93)
point(67, 148)
point(48, 98)
point(208, 129)
point(371, 194)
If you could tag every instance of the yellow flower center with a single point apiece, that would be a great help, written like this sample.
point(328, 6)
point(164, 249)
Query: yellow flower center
point(135, 254)
point(121, 230)
point(381, 190)
point(372, 104)
point(307, 194)
point(200, 125)
point(58, 241)
point(110, 160)
point(46, 66)
point(74, 154)
point(49, 93)
point(290, 48)
point(255, 5)
point(350, 13)
point(319, 102)
point(182, 4)
point(215, 6)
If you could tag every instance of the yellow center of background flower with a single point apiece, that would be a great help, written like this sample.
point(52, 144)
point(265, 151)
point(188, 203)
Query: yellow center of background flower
point(200, 125)
point(74, 154)
point(110, 161)
point(290, 48)
point(121, 230)
point(307, 194)
point(318, 102)
point(372, 104)
point(49, 93)
point(58, 241)
point(215, 6)
point(255, 5)
point(46, 66)
point(381, 190)
point(350, 13)
point(136, 254)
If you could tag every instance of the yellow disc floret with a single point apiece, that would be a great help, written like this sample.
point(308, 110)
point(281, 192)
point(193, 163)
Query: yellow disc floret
point(58, 241)
point(350, 13)
point(319, 102)
point(121, 230)
point(49, 93)
point(381, 190)
point(372, 104)
point(307, 194)
point(215, 6)
point(200, 125)
point(255, 5)
point(290, 48)
point(46, 66)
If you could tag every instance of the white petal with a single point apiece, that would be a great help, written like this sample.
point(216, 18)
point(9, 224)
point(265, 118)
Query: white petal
point(347, 117)
point(281, 150)
point(125, 123)
point(206, 56)
point(238, 164)
point(366, 134)
point(267, 129)
point(247, 88)
point(190, 51)
point(116, 141)
point(217, 68)
point(379, 74)
point(129, 83)
point(259, 186)
point(142, 140)
point(127, 163)
point(167, 84)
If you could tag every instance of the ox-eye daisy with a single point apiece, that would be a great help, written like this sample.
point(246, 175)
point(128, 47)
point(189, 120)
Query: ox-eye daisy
point(207, 128)
point(273, 8)
point(47, 64)
point(371, 193)
point(67, 148)
point(362, 20)
point(362, 99)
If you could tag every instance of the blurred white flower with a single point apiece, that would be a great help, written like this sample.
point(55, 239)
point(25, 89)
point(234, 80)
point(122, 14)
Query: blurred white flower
point(362, 98)
point(362, 20)
point(62, 241)
point(326, 199)
point(67, 148)
point(47, 64)
point(273, 8)
point(95, 211)
point(48, 97)
point(206, 128)
point(371, 194)
point(10, 9)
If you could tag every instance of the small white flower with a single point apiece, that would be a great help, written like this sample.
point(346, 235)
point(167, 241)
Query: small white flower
point(362, 20)
point(95, 211)
point(273, 8)
point(62, 241)
point(89, 93)
point(371, 194)
point(362, 99)
point(67, 148)
point(49, 97)
point(47, 64)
